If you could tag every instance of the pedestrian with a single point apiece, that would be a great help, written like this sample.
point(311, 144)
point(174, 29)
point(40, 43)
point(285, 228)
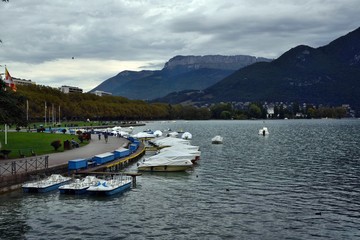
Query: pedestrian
point(106, 136)
point(99, 136)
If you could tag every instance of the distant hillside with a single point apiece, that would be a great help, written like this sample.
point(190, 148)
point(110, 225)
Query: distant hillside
point(324, 75)
point(179, 73)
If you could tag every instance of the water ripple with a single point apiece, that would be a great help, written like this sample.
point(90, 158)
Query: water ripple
point(300, 182)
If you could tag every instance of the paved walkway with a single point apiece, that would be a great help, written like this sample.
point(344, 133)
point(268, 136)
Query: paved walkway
point(94, 147)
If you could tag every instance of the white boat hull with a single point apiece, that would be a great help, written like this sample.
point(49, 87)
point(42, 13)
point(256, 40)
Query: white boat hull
point(217, 140)
point(46, 185)
point(164, 168)
point(79, 186)
point(264, 131)
point(111, 189)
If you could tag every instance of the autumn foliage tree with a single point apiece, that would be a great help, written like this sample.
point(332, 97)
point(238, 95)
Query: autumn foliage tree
point(12, 107)
point(81, 106)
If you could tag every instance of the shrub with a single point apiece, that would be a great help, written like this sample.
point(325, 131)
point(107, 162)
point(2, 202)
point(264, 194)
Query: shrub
point(63, 131)
point(56, 144)
point(41, 129)
point(81, 138)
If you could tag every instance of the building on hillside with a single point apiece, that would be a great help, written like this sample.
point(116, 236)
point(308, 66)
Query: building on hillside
point(270, 112)
point(69, 89)
point(18, 81)
point(101, 93)
point(23, 82)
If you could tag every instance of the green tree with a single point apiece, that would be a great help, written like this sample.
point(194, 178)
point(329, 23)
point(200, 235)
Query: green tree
point(311, 112)
point(12, 107)
point(225, 115)
point(254, 111)
point(281, 112)
point(217, 109)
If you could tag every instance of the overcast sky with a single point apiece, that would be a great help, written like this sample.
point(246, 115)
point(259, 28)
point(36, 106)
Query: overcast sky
point(40, 37)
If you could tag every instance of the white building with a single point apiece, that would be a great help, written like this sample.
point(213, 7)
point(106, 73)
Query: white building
point(69, 89)
point(101, 93)
point(19, 81)
point(270, 112)
point(24, 82)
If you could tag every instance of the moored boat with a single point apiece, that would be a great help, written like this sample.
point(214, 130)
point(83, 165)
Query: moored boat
point(264, 131)
point(177, 153)
point(45, 185)
point(165, 164)
point(118, 184)
point(169, 141)
point(186, 135)
point(79, 186)
point(217, 140)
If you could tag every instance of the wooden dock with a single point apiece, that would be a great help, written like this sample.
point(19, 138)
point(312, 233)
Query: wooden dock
point(116, 165)
point(151, 148)
point(131, 174)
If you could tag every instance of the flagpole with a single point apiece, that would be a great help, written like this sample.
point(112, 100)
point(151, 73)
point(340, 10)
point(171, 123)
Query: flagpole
point(45, 114)
point(52, 114)
point(5, 134)
point(55, 112)
point(27, 110)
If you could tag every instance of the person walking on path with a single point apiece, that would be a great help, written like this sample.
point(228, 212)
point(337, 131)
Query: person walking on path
point(99, 135)
point(106, 136)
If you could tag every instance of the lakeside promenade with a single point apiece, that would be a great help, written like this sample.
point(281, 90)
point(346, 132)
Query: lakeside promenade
point(94, 147)
point(58, 160)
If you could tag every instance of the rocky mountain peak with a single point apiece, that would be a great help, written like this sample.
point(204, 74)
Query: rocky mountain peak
point(212, 61)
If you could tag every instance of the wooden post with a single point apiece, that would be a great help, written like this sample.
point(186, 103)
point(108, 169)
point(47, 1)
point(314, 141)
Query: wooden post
point(133, 175)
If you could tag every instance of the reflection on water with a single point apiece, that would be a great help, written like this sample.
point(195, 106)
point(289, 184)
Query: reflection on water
point(300, 182)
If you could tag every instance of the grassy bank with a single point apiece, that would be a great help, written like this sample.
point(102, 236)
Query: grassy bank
point(26, 142)
point(74, 124)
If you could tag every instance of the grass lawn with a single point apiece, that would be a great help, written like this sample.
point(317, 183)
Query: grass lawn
point(38, 142)
point(79, 124)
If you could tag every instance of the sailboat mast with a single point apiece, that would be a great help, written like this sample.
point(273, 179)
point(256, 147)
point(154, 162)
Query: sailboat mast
point(27, 110)
point(45, 113)
point(59, 115)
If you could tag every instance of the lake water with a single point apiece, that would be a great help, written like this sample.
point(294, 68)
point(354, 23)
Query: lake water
point(300, 182)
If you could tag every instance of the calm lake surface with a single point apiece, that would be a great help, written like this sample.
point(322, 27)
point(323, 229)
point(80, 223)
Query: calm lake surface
point(300, 182)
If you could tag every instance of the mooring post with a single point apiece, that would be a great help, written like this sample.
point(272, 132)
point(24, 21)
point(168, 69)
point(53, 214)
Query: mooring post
point(133, 175)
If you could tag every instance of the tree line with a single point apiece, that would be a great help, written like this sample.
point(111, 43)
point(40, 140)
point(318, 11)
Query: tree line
point(33, 103)
point(258, 110)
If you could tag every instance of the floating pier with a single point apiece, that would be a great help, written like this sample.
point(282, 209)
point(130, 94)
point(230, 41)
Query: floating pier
point(133, 175)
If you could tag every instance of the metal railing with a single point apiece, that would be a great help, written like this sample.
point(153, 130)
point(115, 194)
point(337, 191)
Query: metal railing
point(24, 165)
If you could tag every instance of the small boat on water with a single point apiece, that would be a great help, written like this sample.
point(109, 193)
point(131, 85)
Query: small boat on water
point(165, 164)
point(45, 185)
point(217, 139)
point(118, 184)
point(158, 133)
point(173, 155)
point(186, 135)
point(173, 134)
point(79, 186)
point(169, 142)
point(264, 131)
point(177, 153)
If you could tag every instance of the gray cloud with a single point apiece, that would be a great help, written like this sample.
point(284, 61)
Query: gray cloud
point(36, 33)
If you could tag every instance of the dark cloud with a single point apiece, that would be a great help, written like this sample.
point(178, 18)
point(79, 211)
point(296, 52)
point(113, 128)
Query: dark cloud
point(42, 32)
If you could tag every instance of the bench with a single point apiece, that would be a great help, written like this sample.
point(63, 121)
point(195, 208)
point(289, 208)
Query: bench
point(21, 154)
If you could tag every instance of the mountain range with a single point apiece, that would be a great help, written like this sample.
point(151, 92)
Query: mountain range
point(328, 75)
point(179, 73)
